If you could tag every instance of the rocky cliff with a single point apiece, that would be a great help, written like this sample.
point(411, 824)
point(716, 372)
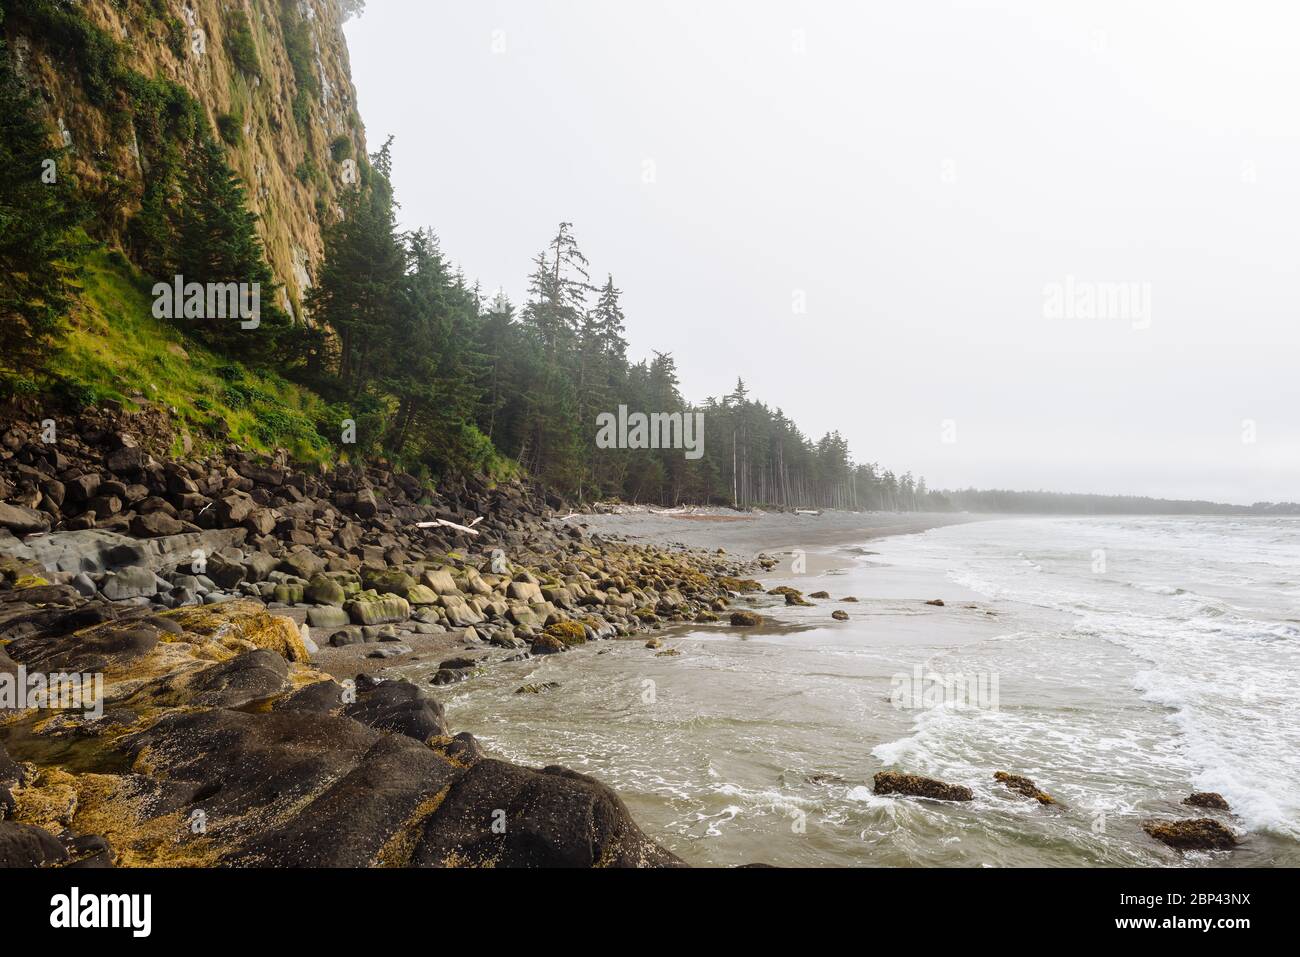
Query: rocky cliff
point(271, 76)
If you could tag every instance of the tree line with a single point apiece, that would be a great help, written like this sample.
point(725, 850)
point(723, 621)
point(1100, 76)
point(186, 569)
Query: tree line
point(439, 373)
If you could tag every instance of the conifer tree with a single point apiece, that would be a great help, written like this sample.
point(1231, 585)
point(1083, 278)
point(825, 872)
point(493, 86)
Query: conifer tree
point(38, 213)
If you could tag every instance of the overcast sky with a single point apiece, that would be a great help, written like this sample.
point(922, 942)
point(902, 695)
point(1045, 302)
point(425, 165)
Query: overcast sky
point(929, 181)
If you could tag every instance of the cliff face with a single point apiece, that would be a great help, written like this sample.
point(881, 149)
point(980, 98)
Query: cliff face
point(272, 76)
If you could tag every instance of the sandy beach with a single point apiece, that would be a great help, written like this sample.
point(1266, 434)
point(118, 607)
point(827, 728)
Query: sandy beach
point(747, 534)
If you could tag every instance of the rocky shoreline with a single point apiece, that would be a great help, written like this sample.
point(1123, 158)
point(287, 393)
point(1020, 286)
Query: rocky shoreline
point(245, 626)
point(203, 593)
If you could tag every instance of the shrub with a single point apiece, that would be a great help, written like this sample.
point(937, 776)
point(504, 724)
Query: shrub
point(231, 129)
point(240, 44)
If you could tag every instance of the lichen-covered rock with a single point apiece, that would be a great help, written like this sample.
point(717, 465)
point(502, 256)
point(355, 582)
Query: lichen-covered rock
point(379, 611)
point(25, 845)
point(1207, 799)
point(1199, 834)
point(254, 676)
point(421, 595)
point(247, 621)
point(324, 591)
point(914, 785)
point(288, 593)
point(839, 615)
point(1023, 785)
point(548, 645)
point(746, 619)
point(328, 617)
point(389, 581)
point(570, 632)
point(539, 688)
point(440, 581)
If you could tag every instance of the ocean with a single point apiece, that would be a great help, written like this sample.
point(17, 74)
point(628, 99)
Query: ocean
point(1121, 663)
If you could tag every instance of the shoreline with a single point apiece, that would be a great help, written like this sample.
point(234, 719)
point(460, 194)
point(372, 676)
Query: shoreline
point(745, 536)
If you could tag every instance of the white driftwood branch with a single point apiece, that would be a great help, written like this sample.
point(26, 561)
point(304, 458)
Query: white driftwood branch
point(443, 523)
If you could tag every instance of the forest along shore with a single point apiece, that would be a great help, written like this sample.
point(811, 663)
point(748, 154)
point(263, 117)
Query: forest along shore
point(227, 634)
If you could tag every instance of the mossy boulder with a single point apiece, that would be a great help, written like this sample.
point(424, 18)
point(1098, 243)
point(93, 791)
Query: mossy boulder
point(742, 585)
point(389, 609)
point(325, 591)
point(548, 645)
point(570, 632)
point(746, 619)
point(391, 581)
point(288, 593)
point(440, 580)
point(422, 595)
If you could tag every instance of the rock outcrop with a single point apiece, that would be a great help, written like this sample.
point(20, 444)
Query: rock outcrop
point(914, 785)
point(1199, 834)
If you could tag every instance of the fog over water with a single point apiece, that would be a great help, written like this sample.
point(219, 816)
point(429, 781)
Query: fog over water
point(922, 179)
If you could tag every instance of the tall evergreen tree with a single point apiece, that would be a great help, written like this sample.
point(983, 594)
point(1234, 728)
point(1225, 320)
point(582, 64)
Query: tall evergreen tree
point(38, 215)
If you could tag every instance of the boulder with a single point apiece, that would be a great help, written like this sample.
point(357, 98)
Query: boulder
point(133, 582)
point(1023, 785)
point(524, 591)
point(914, 785)
point(1207, 799)
point(303, 564)
point(155, 524)
point(548, 645)
point(379, 611)
point(327, 616)
point(440, 581)
point(401, 707)
point(24, 845)
point(1200, 834)
point(552, 818)
point(324, 591)
point(746, 619)
point(23, 521)
point(421, 595)
point(225, 572)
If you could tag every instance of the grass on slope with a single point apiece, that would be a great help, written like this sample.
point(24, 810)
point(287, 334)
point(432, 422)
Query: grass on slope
point(116, 349)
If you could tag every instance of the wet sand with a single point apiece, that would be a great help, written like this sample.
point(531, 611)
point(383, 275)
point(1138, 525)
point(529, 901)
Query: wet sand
point(780, 535)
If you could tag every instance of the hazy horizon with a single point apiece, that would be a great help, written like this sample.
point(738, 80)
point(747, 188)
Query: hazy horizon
point(926, 180)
